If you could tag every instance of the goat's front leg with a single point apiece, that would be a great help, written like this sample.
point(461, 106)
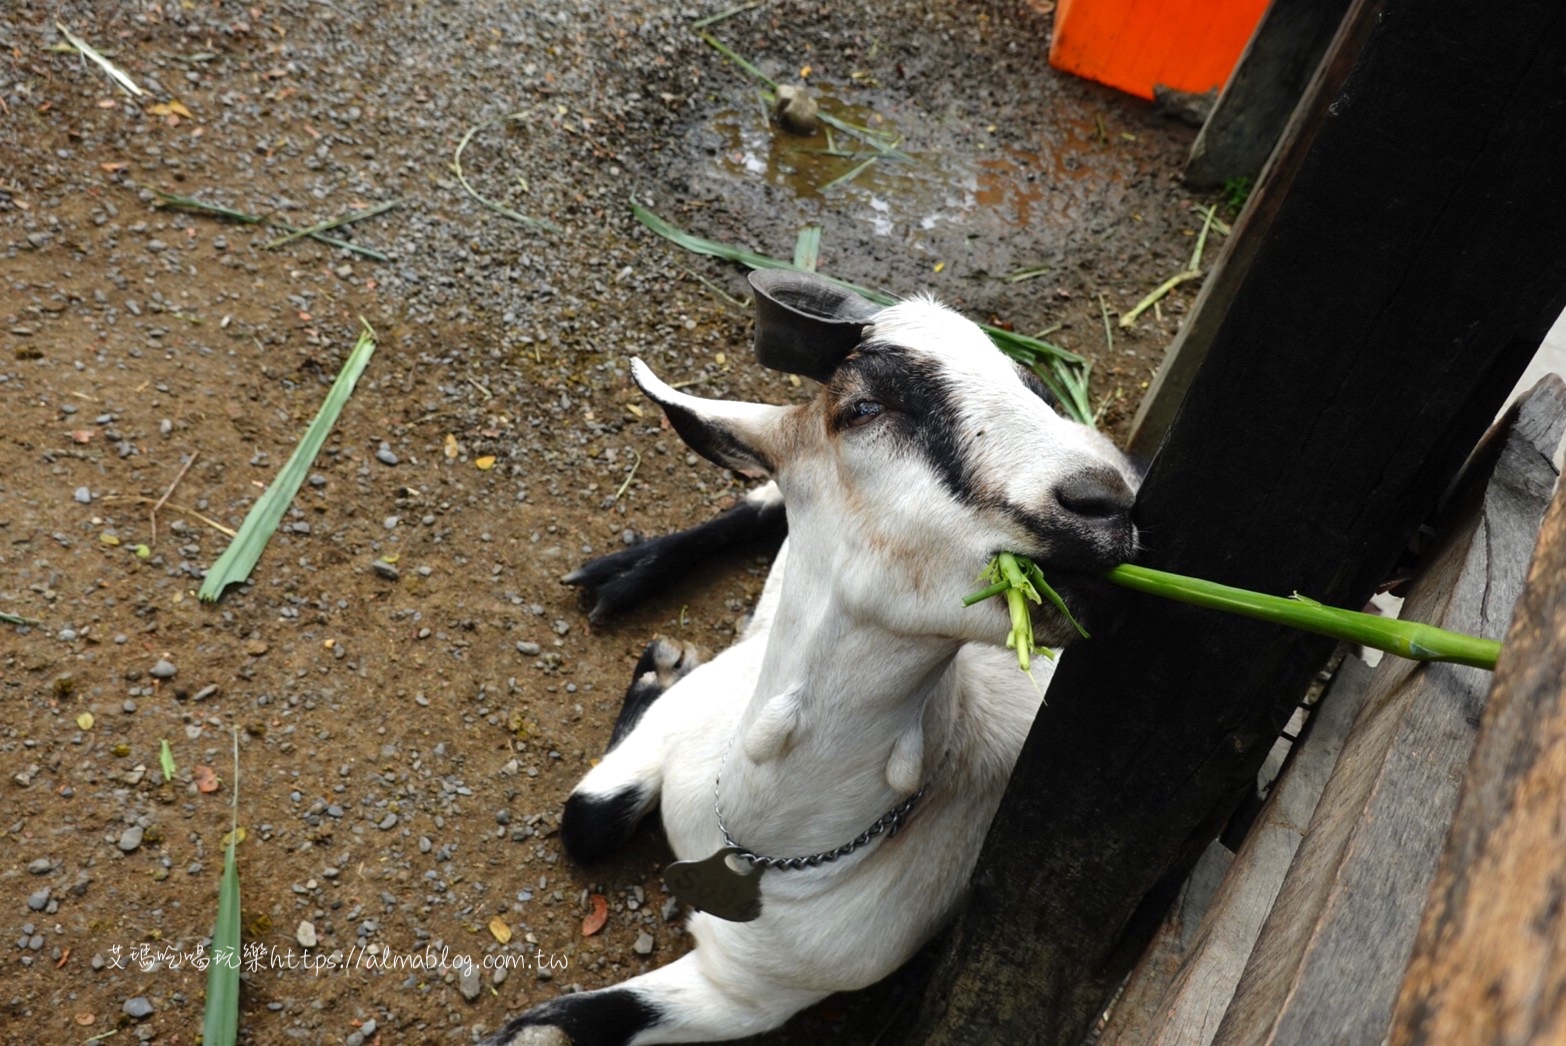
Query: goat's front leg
point(608, 804)
point(681, 1002)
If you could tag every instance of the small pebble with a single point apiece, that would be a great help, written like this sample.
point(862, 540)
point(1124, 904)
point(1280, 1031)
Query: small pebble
point(40, 866)
point(38, 900)
point(306, 935)
point(138, 1007)
point(468, 981)
point(385, 570)
point(83, 495)
point(644, 944)
point(163, 670)
point(130, 839)
point(385, 456)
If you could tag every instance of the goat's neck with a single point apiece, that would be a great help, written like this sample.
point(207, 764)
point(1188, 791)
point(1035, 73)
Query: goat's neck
point(849, 718)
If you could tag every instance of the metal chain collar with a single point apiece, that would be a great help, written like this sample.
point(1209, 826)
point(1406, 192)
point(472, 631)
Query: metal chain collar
point(888, 823)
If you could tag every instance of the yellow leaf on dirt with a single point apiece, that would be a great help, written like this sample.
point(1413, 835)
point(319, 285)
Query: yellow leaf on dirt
point(485, 463)
point(170, 109)
point(85, 720)
point(452, 448)
point(237, 833)
point(499, 930)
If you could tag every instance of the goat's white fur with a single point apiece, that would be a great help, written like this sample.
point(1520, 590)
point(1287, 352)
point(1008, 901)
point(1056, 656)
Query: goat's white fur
point(859, 679)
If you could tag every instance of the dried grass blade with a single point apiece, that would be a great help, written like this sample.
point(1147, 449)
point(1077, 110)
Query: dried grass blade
point(702, 23)
point(850, 174)
point(726, 51)
point(190, 203)
point(332, 223)
point(500, 209)
point(103, 63)
point(236, 562)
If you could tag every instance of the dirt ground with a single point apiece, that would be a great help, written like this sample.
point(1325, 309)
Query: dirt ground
point(407, 735)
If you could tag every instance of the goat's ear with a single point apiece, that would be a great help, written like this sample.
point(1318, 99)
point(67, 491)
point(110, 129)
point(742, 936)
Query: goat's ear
point(806, 324)
point(734, 435)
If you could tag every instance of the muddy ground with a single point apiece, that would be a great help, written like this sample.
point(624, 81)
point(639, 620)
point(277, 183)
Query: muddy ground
point(407, 735)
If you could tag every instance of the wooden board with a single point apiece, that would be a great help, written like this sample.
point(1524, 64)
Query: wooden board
point(1331, 955)
point(1395, 276)
point(1261, 94)
point(1490, 962)
point(1194, 1002)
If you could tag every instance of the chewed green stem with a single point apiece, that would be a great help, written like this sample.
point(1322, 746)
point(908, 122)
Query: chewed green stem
point(1019, 579)
point(1410, 639)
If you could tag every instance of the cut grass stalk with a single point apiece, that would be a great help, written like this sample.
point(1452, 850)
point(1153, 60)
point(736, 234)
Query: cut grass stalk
point(500, 209)
point(1064, 373)
point(17, 619)
point(220, 1016)
point(1409, 639)
point(1157, 295)
point(236, 562)
point(332, 223)
point(1201, 240)
point(190, 203)
point(1192, 271)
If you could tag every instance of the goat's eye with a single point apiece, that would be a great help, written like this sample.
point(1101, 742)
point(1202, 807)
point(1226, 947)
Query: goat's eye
point(864, 412)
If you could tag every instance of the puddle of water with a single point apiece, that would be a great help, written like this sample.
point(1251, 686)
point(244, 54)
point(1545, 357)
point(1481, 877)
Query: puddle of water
point(982, 194)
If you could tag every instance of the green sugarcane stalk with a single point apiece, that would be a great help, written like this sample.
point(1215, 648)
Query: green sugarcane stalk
point(1411, 639)
point(1018, 579)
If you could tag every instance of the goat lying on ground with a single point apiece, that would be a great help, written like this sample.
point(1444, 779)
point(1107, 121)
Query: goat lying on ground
point(854, 743)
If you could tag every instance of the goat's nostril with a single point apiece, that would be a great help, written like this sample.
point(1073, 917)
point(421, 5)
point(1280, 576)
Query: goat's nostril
point(1097, 493)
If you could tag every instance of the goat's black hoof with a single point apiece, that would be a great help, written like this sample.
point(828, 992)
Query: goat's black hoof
point(593, 827)
point(610, 1017)
point(661, 665)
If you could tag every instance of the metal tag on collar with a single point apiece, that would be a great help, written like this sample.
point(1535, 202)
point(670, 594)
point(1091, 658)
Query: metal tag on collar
point(712, 885)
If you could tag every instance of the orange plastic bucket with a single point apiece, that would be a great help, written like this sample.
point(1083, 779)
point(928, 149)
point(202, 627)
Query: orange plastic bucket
point(1189, 45)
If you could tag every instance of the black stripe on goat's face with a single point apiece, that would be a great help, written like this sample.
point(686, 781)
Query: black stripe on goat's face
point(985, 429)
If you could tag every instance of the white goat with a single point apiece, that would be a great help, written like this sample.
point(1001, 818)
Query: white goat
point(863, 698)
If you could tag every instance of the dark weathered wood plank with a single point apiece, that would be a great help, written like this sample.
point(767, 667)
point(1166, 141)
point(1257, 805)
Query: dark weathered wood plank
point(1394, 282)
point(1330, 958)
point(1194, 1003)
point(1140, 1003)
point(1267, 83)
point(1490, 962)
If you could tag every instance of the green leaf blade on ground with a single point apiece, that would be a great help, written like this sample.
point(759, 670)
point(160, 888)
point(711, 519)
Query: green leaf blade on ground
point(220, 1017)
point(239, 559)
